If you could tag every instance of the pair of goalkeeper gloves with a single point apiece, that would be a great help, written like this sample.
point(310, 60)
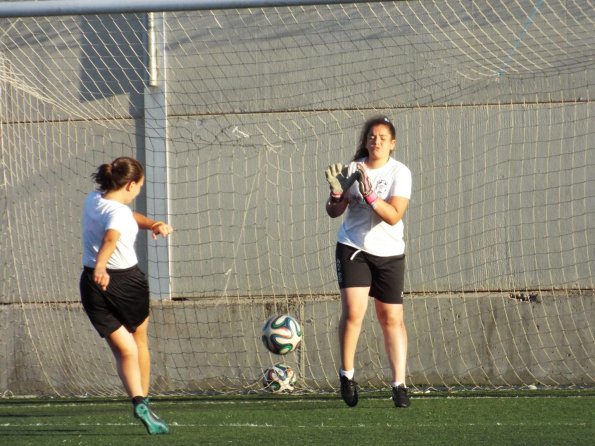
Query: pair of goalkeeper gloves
point(339, 182)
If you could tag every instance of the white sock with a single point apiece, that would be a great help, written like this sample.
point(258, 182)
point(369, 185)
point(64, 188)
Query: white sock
point(397, 384)
point(347, 373)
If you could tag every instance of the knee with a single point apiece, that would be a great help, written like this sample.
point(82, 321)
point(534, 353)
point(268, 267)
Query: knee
point(392, 321)
point(353, 318)
point(128, 352)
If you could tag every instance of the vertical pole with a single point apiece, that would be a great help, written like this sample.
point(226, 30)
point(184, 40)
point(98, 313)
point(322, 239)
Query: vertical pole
point(152, 50)
point(156, 182)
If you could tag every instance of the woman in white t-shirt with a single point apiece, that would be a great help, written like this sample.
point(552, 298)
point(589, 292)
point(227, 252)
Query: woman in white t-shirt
point(375, 190)
point(114, 291)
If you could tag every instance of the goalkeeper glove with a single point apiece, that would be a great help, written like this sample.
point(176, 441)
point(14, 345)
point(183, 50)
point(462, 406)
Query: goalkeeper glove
point(336, 175)
point(365, 186)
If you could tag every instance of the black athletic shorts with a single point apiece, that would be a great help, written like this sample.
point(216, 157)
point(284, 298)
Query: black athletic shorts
point(125, 302)
point(384, 275)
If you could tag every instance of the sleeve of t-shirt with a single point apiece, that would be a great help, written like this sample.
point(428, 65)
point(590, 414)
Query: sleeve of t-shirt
point(120, 219)
point(401, 187)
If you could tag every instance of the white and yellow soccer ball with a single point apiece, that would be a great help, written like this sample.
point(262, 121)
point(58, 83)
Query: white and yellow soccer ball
point(279, 378)
point(281, 334)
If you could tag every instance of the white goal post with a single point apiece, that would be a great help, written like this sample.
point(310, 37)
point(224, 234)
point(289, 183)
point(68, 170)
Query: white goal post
point(69, 7)
point(236, 108)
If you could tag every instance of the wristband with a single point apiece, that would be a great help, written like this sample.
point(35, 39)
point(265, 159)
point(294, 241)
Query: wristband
point(371, 198)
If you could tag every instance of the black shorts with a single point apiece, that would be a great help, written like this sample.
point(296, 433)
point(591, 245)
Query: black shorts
point(125, 302)
point(384, 275)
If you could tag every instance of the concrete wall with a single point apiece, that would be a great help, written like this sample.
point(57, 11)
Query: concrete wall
point(454, 340)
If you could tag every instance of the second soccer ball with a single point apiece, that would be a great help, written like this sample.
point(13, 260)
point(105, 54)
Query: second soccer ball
point(279, 378)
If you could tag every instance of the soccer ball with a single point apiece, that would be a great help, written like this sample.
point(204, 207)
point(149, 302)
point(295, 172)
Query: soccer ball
point(279, 378)
point(281, 334)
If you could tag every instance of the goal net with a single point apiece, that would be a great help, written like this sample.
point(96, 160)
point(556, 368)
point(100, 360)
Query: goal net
point(235, 114)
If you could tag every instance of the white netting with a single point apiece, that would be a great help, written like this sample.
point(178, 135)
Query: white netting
point(494, 117)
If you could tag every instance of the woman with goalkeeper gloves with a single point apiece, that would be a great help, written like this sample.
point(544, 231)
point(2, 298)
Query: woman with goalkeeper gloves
point(114, 291)
point(370, 259)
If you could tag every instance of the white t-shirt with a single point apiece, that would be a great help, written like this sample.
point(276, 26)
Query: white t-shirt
point(362, 228)
point(99, 215)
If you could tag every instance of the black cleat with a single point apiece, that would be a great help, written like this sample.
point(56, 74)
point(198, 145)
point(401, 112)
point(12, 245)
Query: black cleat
point(349, 391)
point(400, 397)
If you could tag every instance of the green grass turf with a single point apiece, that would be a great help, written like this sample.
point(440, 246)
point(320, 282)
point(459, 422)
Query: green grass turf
point(536, 418)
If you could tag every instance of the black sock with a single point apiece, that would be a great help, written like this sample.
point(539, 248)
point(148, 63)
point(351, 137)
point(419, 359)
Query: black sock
point(137, 400)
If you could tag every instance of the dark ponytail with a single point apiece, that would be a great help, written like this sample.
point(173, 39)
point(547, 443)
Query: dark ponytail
point(120, 172)
point(362, 151)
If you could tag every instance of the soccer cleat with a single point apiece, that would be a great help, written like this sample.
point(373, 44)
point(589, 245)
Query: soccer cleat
point(349, 391)
point(400, 397)
point(153, 424)
point(147, 402)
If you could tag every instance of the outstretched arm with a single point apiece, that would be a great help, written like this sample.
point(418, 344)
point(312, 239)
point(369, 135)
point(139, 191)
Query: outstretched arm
point(157, 227)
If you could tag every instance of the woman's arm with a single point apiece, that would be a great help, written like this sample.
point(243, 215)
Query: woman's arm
point(143, 221)
point(335, 209)
point(107, 248)
point(392, 210)
point(158, 227)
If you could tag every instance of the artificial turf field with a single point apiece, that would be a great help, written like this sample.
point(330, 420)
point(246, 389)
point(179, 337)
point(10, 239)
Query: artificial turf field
point(499, 418)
